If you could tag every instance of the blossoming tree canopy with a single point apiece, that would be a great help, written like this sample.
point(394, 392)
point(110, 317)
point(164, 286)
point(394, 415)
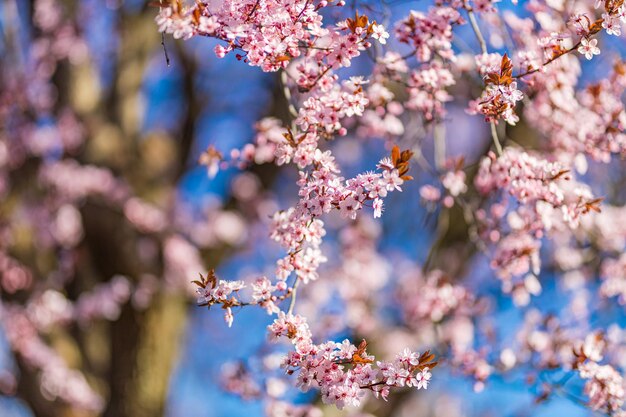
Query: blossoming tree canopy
point(527, 58)
point(400, 194)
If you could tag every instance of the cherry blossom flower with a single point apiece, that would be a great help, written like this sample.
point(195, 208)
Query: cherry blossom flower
point(589, 48)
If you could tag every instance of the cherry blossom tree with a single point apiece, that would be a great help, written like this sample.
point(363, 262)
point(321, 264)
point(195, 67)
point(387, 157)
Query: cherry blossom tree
point(423, 170)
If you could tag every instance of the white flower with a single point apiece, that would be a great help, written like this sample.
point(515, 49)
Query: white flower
point(423, 378)
point(589, 48)
point(380, 33)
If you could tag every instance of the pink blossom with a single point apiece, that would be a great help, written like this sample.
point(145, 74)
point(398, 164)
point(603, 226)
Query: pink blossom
point(589, 48)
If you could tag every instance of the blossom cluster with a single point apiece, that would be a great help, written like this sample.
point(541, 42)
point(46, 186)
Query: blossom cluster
point(211, 290)
point(342, 371)
point(501, 94)
point(429, 33)
point(427, 90)
point(589, 122)
point(430, 36)
point(605, 385)
point(299, 230)
point(545, 202)
point(270, 34)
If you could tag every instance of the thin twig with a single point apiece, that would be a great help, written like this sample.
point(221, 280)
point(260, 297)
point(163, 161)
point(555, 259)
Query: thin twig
point(302, 11)
point(287, 93)
point(442, 229)
point(554, 58)
point(494, 136)
point(483, 48)
point(256, 6)
point(439, 134)
point(474, 24)
point(167, 57)
point(373, 384)
point(294, 292)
